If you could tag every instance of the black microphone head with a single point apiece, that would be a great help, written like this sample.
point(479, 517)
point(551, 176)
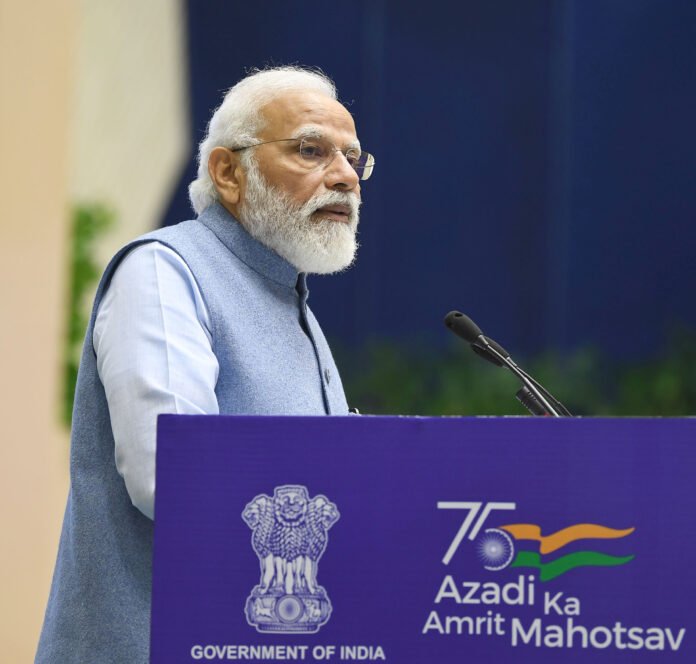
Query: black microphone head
point(463, 326)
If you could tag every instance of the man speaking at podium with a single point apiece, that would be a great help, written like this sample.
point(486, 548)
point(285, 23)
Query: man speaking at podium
point(209, 316)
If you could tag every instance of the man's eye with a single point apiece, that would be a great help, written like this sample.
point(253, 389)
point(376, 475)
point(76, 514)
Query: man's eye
point(353, 158)
point(312, 151)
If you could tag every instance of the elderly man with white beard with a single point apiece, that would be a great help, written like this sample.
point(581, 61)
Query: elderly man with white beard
point(206, 317)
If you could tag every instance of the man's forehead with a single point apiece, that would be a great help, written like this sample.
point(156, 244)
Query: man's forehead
point(294, 110)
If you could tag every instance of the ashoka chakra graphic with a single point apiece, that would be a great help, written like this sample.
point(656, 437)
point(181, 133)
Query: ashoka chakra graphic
point(289, 609)
point(496, 549)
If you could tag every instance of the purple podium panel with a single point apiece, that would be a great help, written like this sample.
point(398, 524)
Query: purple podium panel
point(424, 540)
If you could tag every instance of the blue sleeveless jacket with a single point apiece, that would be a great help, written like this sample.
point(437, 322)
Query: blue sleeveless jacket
point(273, 360)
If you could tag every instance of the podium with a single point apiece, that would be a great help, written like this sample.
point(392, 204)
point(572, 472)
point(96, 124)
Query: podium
point(424, 540)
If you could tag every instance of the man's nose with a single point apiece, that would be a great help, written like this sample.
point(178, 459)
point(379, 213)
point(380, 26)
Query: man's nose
point(340, 174)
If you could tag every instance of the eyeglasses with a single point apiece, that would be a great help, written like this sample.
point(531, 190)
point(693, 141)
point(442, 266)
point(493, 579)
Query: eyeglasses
point(313, 153)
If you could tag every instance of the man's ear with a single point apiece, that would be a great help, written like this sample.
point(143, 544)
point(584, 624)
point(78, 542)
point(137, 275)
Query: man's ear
point(227, 175)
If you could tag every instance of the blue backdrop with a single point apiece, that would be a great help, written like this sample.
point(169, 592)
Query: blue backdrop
point(535, 160)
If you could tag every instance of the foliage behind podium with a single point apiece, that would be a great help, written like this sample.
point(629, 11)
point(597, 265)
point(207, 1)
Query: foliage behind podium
point(89, 222)
point(389, 378)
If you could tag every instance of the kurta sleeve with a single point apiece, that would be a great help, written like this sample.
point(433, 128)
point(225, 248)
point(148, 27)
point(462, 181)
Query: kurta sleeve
point(152, 338)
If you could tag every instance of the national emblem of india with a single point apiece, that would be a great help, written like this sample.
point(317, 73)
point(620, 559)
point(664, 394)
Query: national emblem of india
point(290, 533)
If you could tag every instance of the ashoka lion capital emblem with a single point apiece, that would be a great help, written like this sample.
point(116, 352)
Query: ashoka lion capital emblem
point(290, 533)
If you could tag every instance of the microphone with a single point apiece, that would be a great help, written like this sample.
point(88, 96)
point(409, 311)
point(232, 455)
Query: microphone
point(489, 356)
point(533, 396)
point(465, 328)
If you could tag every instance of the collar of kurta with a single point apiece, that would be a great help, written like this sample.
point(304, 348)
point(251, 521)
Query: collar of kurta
point(250, 251)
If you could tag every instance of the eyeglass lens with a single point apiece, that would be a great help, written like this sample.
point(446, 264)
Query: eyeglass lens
point(320, 152)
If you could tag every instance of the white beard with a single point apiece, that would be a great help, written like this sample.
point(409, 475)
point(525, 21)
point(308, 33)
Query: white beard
point(318, 246)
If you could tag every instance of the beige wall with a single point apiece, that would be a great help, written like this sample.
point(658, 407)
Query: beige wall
point(92, 108)
point(130, 119)
point(36, 79)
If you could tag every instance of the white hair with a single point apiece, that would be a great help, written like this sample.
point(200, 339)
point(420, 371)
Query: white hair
point(238, 120)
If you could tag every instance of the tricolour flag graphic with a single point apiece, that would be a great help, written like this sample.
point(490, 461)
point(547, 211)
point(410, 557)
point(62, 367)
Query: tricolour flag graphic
point(550, 569)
